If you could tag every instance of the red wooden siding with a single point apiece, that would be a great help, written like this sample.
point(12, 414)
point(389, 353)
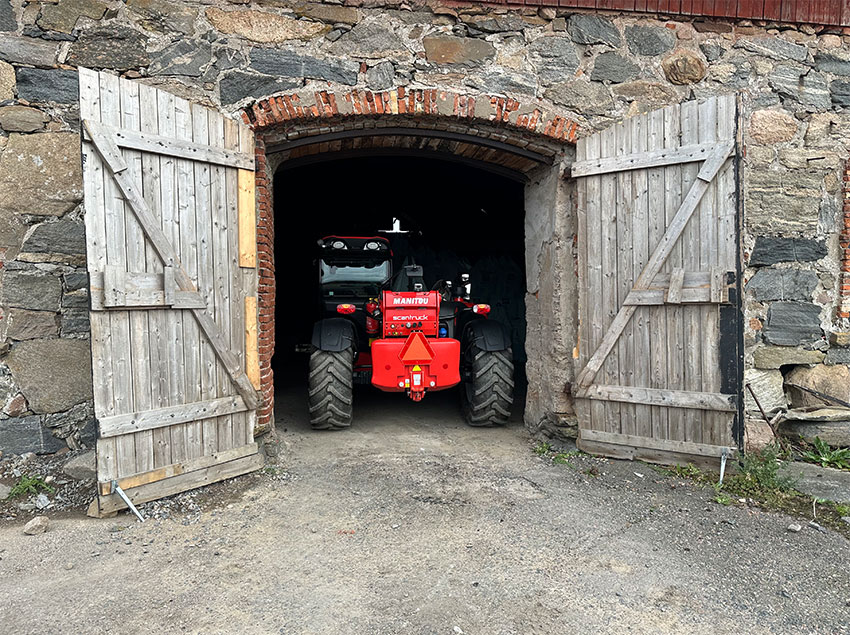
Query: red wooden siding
point(823, 12)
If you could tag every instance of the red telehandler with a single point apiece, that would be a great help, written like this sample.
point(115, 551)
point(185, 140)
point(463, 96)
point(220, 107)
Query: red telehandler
point(393, 333)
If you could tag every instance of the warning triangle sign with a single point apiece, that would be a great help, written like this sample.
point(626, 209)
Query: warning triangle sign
point(416, 349)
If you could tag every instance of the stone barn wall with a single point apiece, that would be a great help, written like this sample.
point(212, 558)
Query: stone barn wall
point(794, 84)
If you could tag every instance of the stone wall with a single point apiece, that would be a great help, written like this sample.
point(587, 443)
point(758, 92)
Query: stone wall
point(794, 84)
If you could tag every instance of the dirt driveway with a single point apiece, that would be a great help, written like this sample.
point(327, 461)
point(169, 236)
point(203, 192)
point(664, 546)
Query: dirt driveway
point(412, 522)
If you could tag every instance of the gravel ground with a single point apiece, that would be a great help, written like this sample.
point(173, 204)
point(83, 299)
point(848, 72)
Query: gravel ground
point(412, 522)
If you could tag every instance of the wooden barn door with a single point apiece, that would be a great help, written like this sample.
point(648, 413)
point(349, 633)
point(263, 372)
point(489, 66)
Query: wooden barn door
point(172, 264)
point(658, 262)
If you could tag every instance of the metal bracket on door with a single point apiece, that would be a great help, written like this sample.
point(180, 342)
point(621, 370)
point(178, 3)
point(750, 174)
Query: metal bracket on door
point(115, 489)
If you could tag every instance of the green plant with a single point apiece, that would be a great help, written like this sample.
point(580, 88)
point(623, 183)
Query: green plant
point(563, 458)
point(543, 448)
point(721, 497)
point(29, 485)
point(759, 476)
point(825, 456)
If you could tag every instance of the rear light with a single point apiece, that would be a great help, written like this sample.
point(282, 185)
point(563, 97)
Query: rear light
point(345, 309)
point(481, 309)
point(370, 307)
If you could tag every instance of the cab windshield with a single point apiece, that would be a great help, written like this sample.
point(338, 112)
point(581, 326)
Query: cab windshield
point(374, 272)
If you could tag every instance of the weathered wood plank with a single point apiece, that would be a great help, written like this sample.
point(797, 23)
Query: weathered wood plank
point(642, 159)
point(169, 416)
point(683, 447)
point(674, 291)
point(655, 297)
point(167, 471)
point(149, 122)
point(121, 357)
point(182, 482)
point(662, 397)
point(178, 148)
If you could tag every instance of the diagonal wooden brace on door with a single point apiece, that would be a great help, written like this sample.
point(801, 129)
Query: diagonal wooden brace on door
point(111, 155)
point(713, 162)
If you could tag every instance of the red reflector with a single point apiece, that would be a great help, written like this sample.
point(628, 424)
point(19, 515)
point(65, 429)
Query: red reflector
point(481, 309)
point(416, 349)
point(345, 309)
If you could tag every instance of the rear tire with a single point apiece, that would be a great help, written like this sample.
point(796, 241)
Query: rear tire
point(330, 388)
point(488, 394)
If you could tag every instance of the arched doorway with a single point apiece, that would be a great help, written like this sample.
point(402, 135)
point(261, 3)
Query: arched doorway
point(514, 147)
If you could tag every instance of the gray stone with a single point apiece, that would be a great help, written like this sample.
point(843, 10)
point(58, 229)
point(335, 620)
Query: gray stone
point(7, 16)
point(774, 48)
point(55, 85)
point(782, 284)
point(496, 23)
point(81, 467)
point(26, 50)
point(448, 49)
point(41, 174)
point(289, 64)
point(683, 67)
point(712, 51)
point(819, 482)
point(37, 525)
point(65, 236)
point(74, 281)
point(649, 40)
point(581, 95)
point(802, 85)
point(22, 119)
point(75, 299)
point(768, 387)
point(23, 324)
point(63, 16)
point(52, 36)
point(264, 27)
point(372, 41)
point(840, 92)
point(75, 322)
point(163, 16)
point(832, 63)
point(5, 490)
point(53, 375)
point(838, 356)
point(785, 201)
point(113, 47)
point(334, 35)
point(646, 95)
point(35, 291)
point(555, 58)
point(381, 76)
point(775, 357)
point(185, 57)
point(829, 380)
point(614, 68)
point(770, 250)
point(499, 81)
point(585, 28)
point(238, 85)
point(26, 434)
point(792, 323)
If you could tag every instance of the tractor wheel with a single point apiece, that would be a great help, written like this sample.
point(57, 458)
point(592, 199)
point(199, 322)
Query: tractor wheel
point(488, 393)
point(330, 389)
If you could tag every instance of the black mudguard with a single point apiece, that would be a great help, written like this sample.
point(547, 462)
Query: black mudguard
point(488, 335)
point(334, 334)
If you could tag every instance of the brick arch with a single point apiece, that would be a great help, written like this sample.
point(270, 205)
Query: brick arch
point(491, 119)
point(522, 115)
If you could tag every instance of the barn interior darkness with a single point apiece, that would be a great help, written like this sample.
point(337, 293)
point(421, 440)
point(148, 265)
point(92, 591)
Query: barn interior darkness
point(458, 219)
